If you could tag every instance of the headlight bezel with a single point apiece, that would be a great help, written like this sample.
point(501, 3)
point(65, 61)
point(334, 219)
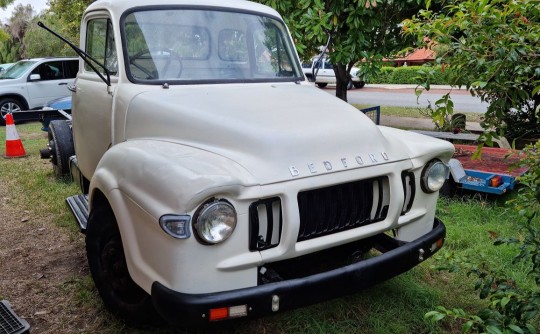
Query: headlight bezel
point(203, 226)
point(434, 175)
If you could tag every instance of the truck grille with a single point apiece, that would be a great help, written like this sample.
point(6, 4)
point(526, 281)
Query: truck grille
point(327, 210)
point(342, 207)
point(265, 221)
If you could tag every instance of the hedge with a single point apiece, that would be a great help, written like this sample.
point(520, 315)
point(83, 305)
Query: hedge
point(407, 75)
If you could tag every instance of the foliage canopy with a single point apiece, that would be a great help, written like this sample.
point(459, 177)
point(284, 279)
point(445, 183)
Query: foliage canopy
point(493, 48)
point(366, 30)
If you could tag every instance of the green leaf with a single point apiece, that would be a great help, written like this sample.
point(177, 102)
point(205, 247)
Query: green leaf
point(467, 326)
point(493, 330)
point(516, 329)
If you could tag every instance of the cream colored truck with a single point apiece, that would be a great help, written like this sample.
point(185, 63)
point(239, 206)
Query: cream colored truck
point(218, 183)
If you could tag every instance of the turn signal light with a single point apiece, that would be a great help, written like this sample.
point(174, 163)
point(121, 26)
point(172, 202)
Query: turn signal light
point(231, 312)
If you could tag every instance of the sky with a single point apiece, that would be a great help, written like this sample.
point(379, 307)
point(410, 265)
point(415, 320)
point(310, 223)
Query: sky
point(38, 6)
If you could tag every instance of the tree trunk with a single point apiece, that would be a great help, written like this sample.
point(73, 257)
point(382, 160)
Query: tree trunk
point(342, 80)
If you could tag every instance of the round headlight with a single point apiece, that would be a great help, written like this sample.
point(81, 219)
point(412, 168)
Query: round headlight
point(215, 222)
point(433, 176)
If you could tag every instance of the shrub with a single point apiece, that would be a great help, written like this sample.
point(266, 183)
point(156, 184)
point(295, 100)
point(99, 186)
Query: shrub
point(408, 75)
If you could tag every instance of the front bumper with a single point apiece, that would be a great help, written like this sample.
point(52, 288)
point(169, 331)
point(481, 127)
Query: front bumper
point(192, 310)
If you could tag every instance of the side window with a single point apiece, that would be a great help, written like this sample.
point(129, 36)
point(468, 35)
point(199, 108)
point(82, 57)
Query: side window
point(49, 71)
point(328, 65)
point(100, 44)
point(70, 68)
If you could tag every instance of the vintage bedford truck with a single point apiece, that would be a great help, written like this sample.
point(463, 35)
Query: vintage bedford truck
point(218, 183)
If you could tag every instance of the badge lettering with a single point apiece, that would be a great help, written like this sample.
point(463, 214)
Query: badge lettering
point(327, 165)
point(294, 171)
point(311, 167)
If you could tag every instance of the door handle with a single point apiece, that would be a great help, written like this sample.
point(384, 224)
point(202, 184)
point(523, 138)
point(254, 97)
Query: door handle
point(72, 87)
point(62, 84)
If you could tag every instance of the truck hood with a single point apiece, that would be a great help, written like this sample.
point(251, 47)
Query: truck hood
point(277, 132)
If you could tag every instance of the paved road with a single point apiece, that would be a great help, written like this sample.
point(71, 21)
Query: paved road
point(405, 97)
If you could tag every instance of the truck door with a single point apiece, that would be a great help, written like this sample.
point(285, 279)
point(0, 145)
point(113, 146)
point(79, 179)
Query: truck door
point(92, 98)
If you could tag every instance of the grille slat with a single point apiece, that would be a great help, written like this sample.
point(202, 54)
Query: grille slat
point(339, 208)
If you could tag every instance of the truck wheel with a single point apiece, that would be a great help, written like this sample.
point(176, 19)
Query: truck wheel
point(107, 262)
point(61, 147)
point(449, 188)
point(359, 84)
point(9, 105)
point(321, 84)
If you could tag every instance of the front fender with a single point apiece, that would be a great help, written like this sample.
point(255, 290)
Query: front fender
point(145, 179)
point(163, 176)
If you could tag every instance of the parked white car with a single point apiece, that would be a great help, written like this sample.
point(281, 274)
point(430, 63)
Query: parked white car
point(326, 75)
point(30, 83)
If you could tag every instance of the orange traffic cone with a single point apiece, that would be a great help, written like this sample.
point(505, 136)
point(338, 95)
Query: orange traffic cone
point(14, 146)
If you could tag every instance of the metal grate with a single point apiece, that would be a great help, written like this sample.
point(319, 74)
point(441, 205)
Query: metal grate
point(10, 323)
point(342, 207)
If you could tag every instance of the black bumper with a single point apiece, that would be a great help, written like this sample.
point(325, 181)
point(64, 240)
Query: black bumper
point(189, 310)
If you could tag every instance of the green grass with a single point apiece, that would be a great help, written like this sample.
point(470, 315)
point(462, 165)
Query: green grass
point(414, 112)
point(395, 306)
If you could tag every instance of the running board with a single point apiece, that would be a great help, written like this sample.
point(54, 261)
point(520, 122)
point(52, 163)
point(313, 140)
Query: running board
point(78, 204)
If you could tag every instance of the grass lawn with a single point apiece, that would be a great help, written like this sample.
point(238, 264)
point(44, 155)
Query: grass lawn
point(414, 112)
point(395, 306)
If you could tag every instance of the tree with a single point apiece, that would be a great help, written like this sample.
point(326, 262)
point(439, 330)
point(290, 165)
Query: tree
point(40, 43)
point(366, 30)
point(18, 23)
point(69, 14)
point(493, 48)
point(5, 3)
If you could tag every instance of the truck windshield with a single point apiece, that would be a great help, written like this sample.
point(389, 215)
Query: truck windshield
point(186, 46)
point(17, 70)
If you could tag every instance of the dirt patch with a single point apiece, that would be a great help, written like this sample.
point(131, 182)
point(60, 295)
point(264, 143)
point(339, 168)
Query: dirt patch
point(40, 265)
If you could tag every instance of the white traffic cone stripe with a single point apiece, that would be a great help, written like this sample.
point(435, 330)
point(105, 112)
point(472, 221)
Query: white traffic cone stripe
point(11, 132)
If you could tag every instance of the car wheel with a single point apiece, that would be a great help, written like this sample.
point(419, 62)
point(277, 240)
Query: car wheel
point(60, 146)
point(321, 84)
point(350, 85)
point(359, 84)
point(9, 105)
point(107, 262)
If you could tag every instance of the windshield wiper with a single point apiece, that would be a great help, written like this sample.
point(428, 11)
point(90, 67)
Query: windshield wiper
point(85, 56)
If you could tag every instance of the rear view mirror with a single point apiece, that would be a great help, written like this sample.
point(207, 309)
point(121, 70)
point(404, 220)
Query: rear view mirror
point(34, 77)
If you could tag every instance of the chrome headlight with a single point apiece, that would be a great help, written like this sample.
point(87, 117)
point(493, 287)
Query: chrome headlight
point(433, 176)
point(215, 222)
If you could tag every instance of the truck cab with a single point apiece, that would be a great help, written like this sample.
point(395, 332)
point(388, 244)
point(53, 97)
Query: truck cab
point(217, 183)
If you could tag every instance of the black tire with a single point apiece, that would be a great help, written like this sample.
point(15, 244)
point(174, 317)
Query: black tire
point(61, 146)
point(321, 84)
point(9, 105)
point(449, 188)
point(350, 85)
point(107, 262)
point(359, 84)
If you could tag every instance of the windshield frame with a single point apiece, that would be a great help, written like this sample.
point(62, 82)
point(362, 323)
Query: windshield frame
point(288, 45)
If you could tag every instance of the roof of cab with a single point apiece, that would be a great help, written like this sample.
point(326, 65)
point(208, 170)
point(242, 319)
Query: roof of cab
point(120, 6)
